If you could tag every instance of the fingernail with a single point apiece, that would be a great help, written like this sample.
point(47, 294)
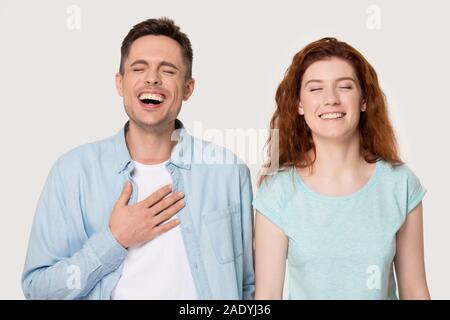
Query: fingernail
point(181, 194)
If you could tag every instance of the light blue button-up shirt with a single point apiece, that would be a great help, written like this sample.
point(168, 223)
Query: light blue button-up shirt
point(73, 255)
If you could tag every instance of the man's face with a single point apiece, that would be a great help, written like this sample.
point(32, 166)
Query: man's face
point(153, 84)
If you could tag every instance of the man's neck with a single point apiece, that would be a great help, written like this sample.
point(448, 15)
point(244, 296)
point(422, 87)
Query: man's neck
point(149, 146)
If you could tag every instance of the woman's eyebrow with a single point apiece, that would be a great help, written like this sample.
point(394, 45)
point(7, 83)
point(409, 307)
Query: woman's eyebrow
point(346, 78)
point(338, 79)
point(313, 80)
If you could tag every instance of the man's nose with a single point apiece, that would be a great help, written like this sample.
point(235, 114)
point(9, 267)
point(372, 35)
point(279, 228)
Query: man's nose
point(153, 77)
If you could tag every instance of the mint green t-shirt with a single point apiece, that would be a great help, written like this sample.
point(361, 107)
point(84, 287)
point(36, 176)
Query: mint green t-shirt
point(341, 247)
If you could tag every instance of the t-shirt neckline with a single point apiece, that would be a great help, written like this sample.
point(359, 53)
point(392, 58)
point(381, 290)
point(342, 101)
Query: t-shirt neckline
point(350, 196)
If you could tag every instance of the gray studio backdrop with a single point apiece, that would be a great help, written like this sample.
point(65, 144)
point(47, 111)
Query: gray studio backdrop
point(58, 59)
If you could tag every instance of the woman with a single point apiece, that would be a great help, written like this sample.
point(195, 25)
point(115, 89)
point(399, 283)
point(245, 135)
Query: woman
point(342, 208)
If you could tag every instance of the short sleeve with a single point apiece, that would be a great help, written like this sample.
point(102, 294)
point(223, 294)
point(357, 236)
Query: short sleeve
point(415, 192)
point(268, 201)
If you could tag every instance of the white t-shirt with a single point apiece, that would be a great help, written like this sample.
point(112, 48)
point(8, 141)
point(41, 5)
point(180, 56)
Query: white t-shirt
point(158, 269)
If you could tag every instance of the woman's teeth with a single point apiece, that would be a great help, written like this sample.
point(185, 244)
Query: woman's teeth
point(336, 115)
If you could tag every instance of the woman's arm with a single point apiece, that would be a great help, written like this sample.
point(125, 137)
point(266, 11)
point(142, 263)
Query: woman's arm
point(409, 259)
point(270, 259)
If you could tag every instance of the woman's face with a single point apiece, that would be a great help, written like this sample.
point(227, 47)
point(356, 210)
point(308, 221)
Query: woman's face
point(331, 99)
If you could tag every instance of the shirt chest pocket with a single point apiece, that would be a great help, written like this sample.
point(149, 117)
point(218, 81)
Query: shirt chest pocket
point(225, 232)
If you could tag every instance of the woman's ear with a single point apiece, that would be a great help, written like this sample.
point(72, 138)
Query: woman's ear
point(363, 106)
point(300, 109)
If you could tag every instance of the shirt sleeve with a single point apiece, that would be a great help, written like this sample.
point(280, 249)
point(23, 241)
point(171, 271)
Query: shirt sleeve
point(54, 269)
point(268, 201)
point(415, 191)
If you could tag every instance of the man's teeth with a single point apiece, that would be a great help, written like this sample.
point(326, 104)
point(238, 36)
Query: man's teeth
point(151, 96)
point(332, 115)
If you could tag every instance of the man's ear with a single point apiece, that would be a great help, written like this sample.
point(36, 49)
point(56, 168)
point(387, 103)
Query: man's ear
point(300, 109)
point(119, 87)
point(188, 88)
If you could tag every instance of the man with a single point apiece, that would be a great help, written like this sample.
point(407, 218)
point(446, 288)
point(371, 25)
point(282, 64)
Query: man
point(143, 215)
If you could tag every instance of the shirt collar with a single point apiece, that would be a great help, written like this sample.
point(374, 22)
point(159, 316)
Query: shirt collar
point(181, 154)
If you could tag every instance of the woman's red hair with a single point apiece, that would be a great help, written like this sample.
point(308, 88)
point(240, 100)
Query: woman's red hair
point(294, 136)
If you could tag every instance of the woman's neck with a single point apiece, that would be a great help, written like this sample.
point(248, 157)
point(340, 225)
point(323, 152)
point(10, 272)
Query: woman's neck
point(337, 159)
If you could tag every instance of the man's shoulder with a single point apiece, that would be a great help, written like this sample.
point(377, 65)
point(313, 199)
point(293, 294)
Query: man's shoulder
point(87, 153)
point(212, 161)
point(210, 153)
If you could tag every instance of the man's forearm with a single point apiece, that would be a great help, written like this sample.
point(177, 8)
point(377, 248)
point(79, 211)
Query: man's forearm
point(76, 276)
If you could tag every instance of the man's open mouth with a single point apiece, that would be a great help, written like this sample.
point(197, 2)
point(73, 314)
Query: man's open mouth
point(151, 98)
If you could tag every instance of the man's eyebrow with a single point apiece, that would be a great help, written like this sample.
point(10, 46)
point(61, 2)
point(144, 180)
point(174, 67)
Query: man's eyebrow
point(162, 63)
point(140, 61)
point(168, 64)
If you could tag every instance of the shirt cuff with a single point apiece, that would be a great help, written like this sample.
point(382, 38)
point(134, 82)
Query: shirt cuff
point(106, 248)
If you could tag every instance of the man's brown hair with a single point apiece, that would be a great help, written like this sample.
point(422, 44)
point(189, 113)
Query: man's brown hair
point(158, 27)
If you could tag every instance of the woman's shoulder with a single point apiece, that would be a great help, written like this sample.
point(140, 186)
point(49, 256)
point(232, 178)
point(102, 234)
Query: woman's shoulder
point(404, 184)
point(397, 172)
point(280, 182)
point(278, 178)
